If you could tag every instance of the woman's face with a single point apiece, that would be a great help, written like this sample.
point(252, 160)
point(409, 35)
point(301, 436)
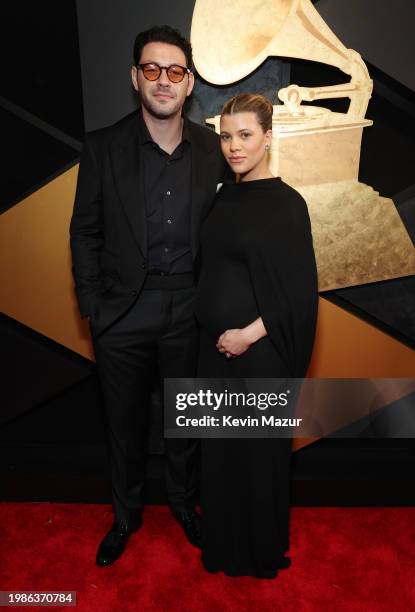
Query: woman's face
point(243, 144)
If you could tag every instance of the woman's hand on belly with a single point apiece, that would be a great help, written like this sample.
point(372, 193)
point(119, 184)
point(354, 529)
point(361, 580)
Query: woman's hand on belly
point(234, 342)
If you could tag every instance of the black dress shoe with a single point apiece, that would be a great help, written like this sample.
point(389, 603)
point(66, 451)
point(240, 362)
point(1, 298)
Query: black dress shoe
point(114, 543)
point(190, 522)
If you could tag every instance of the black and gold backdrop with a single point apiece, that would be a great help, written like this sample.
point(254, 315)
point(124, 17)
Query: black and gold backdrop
point(66, 69)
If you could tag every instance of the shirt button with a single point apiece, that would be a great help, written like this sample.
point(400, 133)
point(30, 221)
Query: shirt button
point(168, 193)
point(166, 249)
point(169, 221)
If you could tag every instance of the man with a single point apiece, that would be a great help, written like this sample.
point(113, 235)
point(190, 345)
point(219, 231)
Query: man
point(145, 185)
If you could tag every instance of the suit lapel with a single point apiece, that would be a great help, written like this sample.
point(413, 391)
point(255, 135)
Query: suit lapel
point(127, 168)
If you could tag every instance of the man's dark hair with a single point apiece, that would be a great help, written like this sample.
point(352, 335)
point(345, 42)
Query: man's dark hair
point(164, 34)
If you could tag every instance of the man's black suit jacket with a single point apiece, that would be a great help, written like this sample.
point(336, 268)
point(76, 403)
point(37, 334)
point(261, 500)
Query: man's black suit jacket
point(108, 228)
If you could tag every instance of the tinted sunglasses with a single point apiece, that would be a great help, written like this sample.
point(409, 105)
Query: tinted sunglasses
point(175, 73)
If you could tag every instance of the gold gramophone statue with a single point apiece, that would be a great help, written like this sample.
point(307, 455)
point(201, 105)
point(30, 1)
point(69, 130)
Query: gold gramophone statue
point(358, 235)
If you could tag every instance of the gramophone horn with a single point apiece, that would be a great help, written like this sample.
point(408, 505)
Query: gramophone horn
point(231, 38)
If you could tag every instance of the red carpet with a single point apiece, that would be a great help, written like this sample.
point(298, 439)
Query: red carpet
point(359, 559)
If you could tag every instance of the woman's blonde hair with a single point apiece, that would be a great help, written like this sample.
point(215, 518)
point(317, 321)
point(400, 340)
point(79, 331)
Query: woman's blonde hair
point(251, 103)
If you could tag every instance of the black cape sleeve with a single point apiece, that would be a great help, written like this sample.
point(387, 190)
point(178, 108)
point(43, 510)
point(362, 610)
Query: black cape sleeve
point(284, 275)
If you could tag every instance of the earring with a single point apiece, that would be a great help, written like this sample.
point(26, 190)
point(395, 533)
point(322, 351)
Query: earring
point(267, 147)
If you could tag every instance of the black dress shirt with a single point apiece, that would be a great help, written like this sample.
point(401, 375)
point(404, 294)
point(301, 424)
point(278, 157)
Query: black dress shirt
point(167, 191)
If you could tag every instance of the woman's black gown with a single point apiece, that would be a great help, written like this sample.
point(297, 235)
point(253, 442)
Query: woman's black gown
point(257, 259)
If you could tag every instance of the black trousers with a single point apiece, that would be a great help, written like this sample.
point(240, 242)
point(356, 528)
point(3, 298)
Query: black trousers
point(158, 331)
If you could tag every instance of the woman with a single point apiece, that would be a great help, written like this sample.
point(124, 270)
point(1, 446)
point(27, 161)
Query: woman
point(256, 305)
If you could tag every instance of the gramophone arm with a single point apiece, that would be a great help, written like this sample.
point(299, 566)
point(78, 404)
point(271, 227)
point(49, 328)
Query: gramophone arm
point(359, 90)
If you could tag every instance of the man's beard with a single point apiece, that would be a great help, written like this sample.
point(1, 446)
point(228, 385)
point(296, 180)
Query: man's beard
point(158, 111)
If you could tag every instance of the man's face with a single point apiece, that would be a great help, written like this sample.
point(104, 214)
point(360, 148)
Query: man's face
point(162, 98)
